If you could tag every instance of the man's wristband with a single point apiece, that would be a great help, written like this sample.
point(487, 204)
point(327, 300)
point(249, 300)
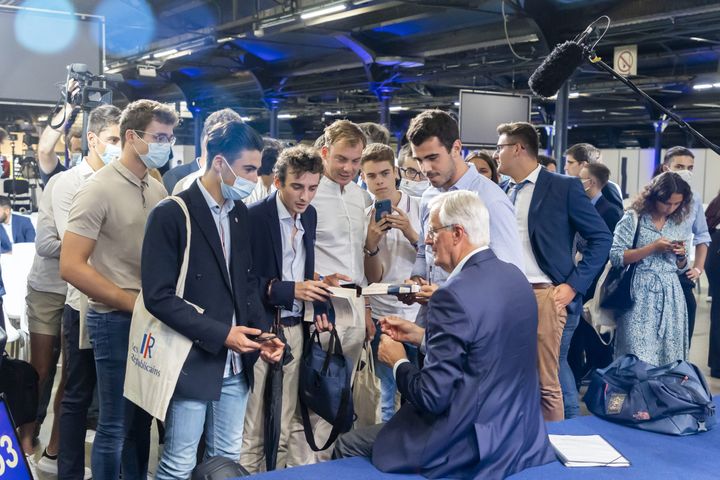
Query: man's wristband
point(371, 253)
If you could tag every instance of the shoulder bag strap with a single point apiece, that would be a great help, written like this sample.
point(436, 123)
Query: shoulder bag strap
point(335, 432)
point(180, 287)
point(637, 230)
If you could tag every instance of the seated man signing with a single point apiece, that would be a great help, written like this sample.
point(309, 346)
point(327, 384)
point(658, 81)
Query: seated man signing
point(473, 410)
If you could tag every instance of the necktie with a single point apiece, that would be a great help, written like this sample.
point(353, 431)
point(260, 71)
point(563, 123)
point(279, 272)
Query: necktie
point(515, 188)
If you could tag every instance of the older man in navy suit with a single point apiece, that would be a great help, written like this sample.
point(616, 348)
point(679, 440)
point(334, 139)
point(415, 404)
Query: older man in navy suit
point(473, 410)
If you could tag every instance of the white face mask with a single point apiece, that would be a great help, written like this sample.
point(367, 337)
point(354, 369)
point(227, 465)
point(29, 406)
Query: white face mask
point(685, 175)
point(413, 188)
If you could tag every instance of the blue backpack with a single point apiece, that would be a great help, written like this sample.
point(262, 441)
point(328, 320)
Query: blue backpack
point(673, 399)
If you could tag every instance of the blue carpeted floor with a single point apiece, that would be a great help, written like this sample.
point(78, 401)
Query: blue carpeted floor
point(652, 456)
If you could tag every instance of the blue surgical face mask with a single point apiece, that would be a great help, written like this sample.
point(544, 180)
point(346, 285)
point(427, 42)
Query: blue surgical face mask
point(112, 152)
point(75, 158)
point(158, 154)
point(239, 190)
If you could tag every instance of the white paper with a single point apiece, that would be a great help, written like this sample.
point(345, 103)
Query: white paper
point(586, 451)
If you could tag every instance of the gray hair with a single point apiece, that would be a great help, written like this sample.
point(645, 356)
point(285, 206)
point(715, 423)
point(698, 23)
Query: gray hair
point(464, 208)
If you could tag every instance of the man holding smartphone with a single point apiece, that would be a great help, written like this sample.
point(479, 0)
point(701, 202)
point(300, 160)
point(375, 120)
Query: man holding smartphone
point(217, 376)
point(390, 251)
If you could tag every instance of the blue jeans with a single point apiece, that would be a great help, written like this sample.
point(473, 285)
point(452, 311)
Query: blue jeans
point(123, 432)
point(80, 384)
point(221, 420)
point(567, 378)
point(384, 373)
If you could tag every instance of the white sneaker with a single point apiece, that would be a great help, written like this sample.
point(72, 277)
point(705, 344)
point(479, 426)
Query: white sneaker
point(47, 465)
point(32, 464)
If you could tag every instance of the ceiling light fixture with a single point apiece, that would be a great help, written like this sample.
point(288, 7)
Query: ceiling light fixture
point(594, 110)
point(165, 53)
point(286, 116)
point(274, 22)
point(181, 53)
point(703, 86)
point(323, 11)
point(397, 108)
point(246, 119)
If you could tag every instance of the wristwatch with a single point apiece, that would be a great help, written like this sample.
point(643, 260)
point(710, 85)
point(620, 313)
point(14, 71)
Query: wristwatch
point(371, 254)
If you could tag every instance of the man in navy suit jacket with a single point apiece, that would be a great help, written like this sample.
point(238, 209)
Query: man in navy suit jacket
point(550, 209)
point(473, 409)
point(587, 352)
point(283, 248)
point(218, 373)
point(22, 227)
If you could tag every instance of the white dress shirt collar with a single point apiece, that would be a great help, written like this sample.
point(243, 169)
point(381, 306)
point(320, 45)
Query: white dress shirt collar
point(458, 268)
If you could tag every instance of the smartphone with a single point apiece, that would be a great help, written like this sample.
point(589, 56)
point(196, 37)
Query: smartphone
point(266, 338)
point(382, 208)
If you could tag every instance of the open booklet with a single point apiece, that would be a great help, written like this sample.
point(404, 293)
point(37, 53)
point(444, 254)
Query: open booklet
point(348, 309)
point(586, 451)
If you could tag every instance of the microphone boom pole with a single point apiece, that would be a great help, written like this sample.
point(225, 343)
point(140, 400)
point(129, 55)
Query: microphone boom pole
point(600, 65)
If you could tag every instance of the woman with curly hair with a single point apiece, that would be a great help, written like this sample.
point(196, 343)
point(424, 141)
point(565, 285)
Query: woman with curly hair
point(655, 328)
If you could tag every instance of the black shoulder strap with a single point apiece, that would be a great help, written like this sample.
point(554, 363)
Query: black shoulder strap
point(637, 232)
point(307, 427)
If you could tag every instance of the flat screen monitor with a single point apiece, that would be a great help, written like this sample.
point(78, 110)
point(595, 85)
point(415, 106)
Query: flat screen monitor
point(36, 47)
point(13, 465)
point(482, 112)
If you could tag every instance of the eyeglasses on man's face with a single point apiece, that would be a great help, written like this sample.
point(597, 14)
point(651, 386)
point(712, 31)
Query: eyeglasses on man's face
point(412, 174)
point(433, 232)
point(501, 145)
point(159, 137)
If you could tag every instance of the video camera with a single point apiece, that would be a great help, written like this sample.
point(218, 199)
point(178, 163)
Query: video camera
point(89, 96)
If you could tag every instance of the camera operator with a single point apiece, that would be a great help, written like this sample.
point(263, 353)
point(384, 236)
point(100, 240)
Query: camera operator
point(48, 162)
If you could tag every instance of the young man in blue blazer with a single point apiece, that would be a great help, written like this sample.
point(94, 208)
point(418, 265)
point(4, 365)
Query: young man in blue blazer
point(217, 376)
point(20, 228)
point(283, 248)
point(550, 209)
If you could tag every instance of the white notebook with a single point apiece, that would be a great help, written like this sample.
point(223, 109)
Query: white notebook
point(586, 451)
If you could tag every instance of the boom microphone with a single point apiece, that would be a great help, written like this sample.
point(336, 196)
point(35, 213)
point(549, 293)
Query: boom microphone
point(556, 68)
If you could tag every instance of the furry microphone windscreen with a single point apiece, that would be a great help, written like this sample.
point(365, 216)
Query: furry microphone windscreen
point(556, 69)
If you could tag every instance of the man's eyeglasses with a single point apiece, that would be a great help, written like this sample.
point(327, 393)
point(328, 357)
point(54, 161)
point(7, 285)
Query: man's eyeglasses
point(159, 137)
point(500, 146)
point(412, 174)
point(432, 232)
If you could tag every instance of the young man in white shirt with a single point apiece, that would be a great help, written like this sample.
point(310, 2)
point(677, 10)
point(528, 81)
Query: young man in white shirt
point(340, 235)
point(390, 252)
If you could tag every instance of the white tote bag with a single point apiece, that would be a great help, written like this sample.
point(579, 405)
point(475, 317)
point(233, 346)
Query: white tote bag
point(601, 319)
point(156, 352)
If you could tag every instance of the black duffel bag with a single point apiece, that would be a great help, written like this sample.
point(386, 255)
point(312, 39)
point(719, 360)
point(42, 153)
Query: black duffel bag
point(673, 399)
point(325, 387)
